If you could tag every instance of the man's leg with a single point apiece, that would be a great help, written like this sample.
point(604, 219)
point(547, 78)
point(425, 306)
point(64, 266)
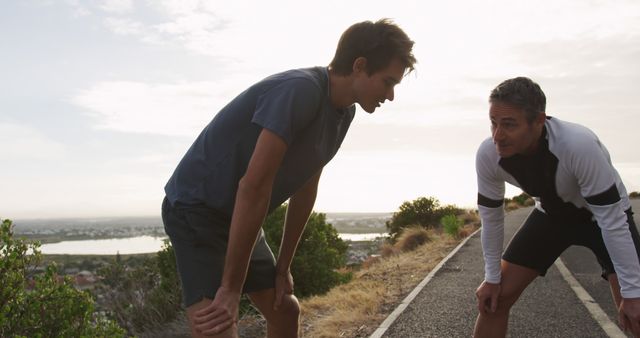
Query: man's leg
point(515, 278)
point(284, 322)
point(231, 332)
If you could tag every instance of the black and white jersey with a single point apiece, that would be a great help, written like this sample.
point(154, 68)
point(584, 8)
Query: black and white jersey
point(571, 179)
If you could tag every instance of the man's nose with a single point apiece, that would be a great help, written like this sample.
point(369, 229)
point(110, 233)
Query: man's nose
point(390, 94)
point(497, 133)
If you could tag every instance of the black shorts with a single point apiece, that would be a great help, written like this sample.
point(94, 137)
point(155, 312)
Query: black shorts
point(540, 241)
point(199, 236)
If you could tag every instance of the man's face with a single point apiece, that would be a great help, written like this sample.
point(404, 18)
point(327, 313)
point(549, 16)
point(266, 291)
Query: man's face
point(511, 132)
point(372, 90)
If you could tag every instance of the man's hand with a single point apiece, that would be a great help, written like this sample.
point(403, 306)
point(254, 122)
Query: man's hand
point(284, 286)
point(629, 315)
point(220, 314)
point(487, 294)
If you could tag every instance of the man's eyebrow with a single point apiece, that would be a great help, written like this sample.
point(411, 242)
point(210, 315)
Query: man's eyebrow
point(503, 119)
point(393, 79)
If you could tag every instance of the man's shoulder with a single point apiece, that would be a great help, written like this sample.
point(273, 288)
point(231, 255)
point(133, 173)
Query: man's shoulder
point(562, 129)
point(487, 157)
point(487, 148)
point(315, 77)
point(569, 136)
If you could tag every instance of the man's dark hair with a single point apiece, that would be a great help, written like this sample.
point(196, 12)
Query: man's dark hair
point(378, 42)
point(522, 93)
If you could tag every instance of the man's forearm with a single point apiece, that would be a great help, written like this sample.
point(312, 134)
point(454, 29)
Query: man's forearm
point(298, 211)
point(492, 237)
point(248, 214)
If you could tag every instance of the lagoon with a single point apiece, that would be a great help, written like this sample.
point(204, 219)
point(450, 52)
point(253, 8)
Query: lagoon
point(141, 244)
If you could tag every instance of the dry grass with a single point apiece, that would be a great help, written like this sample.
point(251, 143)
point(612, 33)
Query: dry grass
point(512, 206)
point(357, 308)
point(411, 238)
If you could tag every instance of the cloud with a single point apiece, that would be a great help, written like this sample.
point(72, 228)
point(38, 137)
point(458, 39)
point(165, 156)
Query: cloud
point(116, 6)
point(21, 142)
point(180, 109)
point(191, 24)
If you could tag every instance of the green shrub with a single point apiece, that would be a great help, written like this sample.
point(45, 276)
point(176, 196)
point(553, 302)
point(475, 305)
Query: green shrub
point(523, 200)
point(145, 296)
point(634, 194)
point(321, 252)
point(42, 304)
point(451, 224)
point(424, 211)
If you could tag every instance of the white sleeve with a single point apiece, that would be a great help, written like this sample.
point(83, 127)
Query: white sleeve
point(598, 182)
point(491, 209)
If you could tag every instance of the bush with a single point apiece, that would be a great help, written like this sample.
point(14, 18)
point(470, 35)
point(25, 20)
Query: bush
point(149, 295)
point(451, 225)
point(634, 194)
point(424, 211)
point(146, 296)
point(411, 238)
point(321, 252)
point(522, 200)
point(42, 304)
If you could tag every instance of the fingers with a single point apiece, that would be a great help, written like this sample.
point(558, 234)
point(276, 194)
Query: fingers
point(629, 325)
point(278, 301)
point(494, 302)
point(212, 322)
point(624, 322)
point(215, 329)
point(634, 326)
point(481, 303)
point(487, 295)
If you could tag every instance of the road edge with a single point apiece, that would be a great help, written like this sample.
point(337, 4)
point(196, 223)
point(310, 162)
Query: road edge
point(384, 326)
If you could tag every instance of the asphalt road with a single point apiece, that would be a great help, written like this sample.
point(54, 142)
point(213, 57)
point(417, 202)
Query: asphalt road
point(447, 307)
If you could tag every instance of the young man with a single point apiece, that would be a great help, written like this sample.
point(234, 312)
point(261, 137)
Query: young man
point(580, 200)
point(269, 144)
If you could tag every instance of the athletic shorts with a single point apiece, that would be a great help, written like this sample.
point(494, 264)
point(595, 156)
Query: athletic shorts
point(541, 240)
point(199, 236)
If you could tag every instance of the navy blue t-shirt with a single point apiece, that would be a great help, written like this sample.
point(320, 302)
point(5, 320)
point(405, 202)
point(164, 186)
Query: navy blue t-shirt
point(296, 106)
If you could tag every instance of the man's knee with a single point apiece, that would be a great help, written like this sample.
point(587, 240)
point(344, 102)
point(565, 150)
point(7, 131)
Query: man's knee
point(231, 332)
point(506, 301)
point(289, 308)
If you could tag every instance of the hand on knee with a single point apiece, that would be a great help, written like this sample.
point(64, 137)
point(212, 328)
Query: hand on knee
point(289, 306)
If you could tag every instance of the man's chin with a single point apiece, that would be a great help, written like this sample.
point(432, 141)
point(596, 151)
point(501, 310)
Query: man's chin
point(504, 153)
point(369, 110)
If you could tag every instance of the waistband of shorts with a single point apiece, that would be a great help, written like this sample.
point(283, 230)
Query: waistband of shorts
point(180, 206)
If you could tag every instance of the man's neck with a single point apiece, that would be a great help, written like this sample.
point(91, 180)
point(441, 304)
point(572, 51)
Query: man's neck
point(340, 90)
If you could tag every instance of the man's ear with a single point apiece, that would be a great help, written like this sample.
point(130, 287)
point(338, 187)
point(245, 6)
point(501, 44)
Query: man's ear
point(360, 65)
point(541, 118)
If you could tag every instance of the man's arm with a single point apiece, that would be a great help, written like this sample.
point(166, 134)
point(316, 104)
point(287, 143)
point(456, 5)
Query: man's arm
point(298, 211)
point(491, 210)
point(252, 202)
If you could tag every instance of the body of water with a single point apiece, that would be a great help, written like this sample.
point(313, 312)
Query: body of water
point(140, 244)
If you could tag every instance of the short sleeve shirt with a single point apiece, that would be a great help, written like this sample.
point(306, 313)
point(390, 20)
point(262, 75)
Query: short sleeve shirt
point(295, 105)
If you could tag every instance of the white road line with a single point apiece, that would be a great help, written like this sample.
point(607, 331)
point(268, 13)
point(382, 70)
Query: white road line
point(609, 327)
point(396, 313)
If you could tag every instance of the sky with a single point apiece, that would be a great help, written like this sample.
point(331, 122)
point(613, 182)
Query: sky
point(100, 99)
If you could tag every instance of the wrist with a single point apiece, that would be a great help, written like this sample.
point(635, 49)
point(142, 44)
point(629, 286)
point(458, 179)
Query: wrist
point(231, 291)
point(281, 271)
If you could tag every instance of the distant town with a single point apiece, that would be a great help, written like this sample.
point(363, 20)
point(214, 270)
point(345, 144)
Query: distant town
point(63, 229)
point(82, 268)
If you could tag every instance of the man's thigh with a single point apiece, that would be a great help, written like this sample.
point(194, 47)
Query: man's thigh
point(538, 243)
